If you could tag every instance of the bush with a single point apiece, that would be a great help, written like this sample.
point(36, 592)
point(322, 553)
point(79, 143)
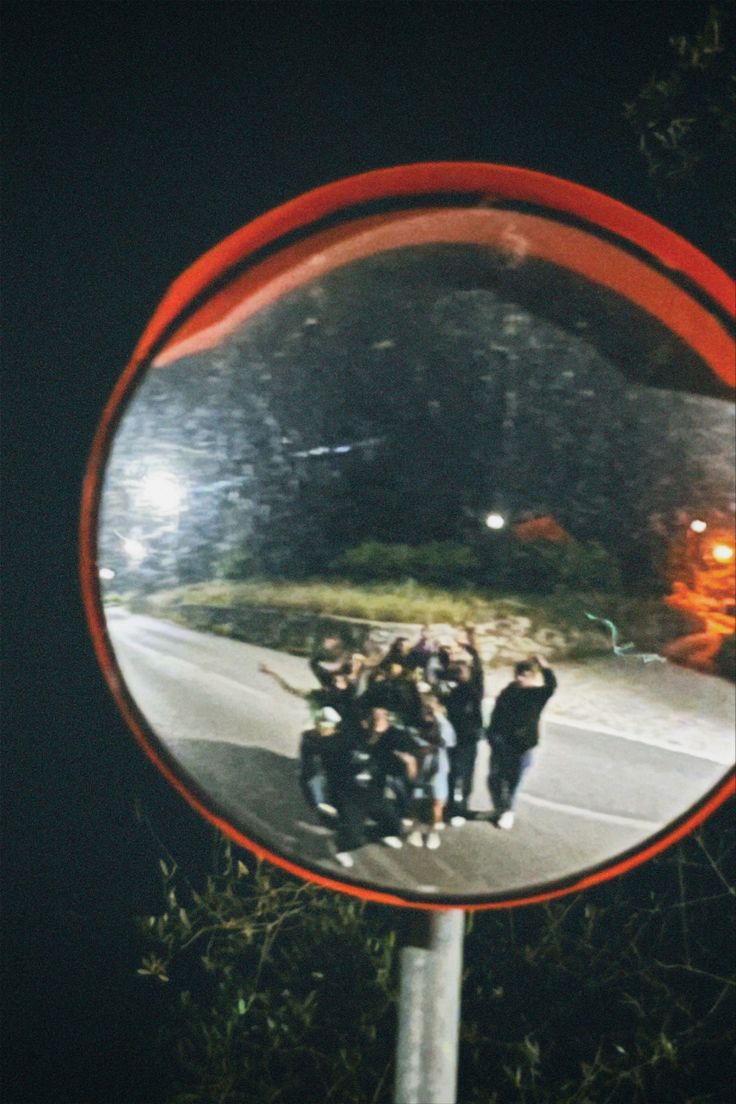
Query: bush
point(256, 965)
point(541, 567)
point(283, 992)
point(441, 562)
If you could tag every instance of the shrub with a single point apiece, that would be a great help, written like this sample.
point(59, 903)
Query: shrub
point(284, 992)
point(541, 567)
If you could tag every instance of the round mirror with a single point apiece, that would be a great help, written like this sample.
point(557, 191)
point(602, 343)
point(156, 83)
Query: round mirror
point(408, 539)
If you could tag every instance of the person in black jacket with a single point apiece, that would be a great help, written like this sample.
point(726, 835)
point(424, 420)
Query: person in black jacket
point(392, 688)
point(339, 692)
point(328, 657)
point(377, 754)
point(513, 733)
point(322, 752)
point(464, 711)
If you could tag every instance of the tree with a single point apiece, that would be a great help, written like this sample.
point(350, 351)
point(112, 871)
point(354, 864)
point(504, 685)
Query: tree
point(685, 123)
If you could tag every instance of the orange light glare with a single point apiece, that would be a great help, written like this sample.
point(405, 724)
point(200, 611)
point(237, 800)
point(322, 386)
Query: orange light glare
point(722, 553)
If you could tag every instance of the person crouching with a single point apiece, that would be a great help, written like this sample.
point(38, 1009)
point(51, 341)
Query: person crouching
point(321, 754)
point(378, 753)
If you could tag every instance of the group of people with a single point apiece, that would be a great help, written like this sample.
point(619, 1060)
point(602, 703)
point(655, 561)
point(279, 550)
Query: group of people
point(394, 738)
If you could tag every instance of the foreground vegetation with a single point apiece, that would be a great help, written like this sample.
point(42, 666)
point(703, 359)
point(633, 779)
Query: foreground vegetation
point(278, 991)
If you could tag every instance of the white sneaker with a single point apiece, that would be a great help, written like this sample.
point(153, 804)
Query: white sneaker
point(328, 810)
point(406, 822)
point(415, 839)
point(458, 821)
point(345, 859)
point(433, 841)
point(392, 841)
point(506, 820)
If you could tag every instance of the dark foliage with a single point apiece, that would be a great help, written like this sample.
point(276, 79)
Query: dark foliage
point(685, 122)
point(283, 992)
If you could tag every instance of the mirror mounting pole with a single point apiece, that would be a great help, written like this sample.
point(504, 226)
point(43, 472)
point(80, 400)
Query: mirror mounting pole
point(430, 966)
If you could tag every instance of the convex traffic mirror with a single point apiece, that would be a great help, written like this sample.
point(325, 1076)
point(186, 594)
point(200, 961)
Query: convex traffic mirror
point(408, 539)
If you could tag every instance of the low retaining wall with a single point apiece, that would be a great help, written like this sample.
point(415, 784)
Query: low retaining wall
point(502, 641)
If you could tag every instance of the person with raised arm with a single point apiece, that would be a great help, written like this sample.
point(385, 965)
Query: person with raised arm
point(513, 733)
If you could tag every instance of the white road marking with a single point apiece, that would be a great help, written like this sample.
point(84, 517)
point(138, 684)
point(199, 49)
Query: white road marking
point(709, 755)
point(589, 814)
point(175, 663)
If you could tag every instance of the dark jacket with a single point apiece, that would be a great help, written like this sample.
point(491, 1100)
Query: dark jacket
point(372, 762)
point(326, 755)
point(325, 661)
point(463, 705)
point(514, 723)
point(344, 701)
point(399, 695)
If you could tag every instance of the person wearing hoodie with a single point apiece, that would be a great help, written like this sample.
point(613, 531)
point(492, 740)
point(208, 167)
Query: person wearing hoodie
point(322, 752)
point(513, 733)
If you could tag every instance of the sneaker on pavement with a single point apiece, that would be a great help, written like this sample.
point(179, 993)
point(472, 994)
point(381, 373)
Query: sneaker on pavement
point(415, 839)
point(433, 841)
point(327, 809)
point(458, 821)
point(392, 841)
point(345, 859)
point(506, 820)
point(406, 822)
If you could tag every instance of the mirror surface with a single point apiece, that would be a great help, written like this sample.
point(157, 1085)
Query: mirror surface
point(379, 488)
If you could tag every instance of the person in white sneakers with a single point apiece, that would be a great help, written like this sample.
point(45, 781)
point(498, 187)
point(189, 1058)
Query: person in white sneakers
point(321, 753)
point(513, 733)
point(430, 787)
point(377, 751)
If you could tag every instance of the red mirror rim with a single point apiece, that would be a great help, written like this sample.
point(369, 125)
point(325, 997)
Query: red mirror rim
point(486, 184)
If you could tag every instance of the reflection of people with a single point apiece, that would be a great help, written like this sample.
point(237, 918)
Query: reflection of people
point(378, 757)
point(338, 692)
point(393, 689)
point(513, 733)
point(464, 710)
point(430, 786)
point(327, 658)
point(321, 755)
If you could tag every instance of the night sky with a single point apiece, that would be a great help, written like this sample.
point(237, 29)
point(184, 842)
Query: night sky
point(136, 137)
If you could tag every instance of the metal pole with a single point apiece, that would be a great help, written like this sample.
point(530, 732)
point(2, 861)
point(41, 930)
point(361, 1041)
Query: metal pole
point(430, 966)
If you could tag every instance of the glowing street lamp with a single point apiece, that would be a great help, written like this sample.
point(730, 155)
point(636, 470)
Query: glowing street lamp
point(134, 550)
point(495, 521)
point(106, 573)
point(161, 491)
point(698, 526)
point(722, 553)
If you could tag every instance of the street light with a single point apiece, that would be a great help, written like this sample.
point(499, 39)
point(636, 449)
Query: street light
point(161, 491)
point(698, 526)
point(722, 553)
point(134, 550)
point(106, 573)
point(495, 521)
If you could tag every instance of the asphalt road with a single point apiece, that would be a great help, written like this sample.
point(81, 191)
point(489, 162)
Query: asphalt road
point(588, 797)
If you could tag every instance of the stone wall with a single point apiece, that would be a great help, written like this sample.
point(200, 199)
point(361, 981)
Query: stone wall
point(502, 641)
